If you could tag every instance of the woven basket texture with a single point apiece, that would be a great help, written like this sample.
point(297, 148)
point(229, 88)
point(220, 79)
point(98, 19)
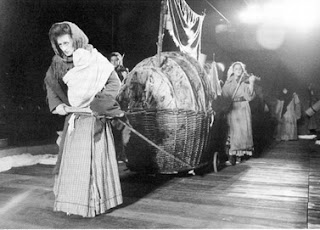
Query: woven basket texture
point(183, 134)
point(169, 104)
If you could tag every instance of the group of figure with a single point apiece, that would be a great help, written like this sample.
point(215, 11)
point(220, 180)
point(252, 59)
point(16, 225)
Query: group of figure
point(82, 85)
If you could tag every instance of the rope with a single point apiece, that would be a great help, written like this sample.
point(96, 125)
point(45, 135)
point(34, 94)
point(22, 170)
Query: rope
point(151, 143)
point(218, 11)
point(137, 133)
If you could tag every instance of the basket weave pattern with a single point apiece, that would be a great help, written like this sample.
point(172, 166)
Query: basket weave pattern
point(184, 134)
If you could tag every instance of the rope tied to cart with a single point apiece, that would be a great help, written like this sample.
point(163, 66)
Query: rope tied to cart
point(81, 111)
point(152, 143)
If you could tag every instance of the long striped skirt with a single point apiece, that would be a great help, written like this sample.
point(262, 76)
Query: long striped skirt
point(88, 182)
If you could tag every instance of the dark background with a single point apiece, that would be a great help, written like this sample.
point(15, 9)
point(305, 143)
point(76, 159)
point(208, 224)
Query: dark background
point(130, 27)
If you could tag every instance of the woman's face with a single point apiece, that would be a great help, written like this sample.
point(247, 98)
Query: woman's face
point(65, 43)
point(114, 61)
point(285, 91)
point(237, 70)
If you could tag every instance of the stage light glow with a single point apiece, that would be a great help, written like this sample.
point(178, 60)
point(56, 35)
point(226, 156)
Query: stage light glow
point(270, 37)
point(251, 15)
point(294, 14)
point(221, 28)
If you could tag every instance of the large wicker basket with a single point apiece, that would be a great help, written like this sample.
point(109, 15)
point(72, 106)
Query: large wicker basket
point(183, 134)
point(179, 128)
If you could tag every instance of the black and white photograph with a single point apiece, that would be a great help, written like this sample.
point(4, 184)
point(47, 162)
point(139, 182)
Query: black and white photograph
point(159, 114)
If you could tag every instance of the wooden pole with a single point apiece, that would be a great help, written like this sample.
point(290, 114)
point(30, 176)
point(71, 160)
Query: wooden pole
point(217, 11)
point(161, 29)
point(112, 27)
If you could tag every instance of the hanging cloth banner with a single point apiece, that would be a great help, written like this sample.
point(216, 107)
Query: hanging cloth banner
point(214, 80)
point(185, 26)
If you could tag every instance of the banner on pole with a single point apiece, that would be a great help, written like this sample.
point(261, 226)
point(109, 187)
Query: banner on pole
point(185, 27)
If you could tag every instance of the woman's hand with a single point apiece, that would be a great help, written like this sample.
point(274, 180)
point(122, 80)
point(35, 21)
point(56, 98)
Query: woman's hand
point(252, 79)
point(69, 109)
point(60, 110)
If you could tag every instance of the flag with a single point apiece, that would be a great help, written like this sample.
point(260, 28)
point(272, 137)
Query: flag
point(185, 27)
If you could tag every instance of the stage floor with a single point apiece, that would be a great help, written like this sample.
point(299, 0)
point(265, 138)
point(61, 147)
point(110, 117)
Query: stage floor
point(281, 189)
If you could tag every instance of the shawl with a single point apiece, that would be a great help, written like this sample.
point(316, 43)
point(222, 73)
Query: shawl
point(185, 27)
point(88, 77)
point(60, 63)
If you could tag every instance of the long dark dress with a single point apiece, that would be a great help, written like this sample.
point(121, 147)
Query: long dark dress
point(287, 119)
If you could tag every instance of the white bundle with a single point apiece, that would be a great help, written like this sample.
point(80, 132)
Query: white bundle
point(307, 137)
point(26, 159)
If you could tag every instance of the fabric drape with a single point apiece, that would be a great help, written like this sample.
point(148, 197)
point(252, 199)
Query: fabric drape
point(214, 80)
point(89, 75)
point(185, 27)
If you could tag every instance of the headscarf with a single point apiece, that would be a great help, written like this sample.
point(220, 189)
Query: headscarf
point(230, 70)
point(80, 39)
point(60, 63)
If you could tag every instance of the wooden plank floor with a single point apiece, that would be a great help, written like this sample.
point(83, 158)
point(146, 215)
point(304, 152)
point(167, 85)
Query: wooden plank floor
point(281, 189)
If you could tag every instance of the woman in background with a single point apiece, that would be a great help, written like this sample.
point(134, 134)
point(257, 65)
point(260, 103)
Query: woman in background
point(288, 111)
point(239, 90)
point(312, 121)
point(87, 181)
point(116, 60)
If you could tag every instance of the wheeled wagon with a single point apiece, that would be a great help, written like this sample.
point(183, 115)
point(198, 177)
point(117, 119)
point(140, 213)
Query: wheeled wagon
point(171, 106)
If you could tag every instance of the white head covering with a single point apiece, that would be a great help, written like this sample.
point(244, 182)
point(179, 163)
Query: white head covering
point(80, 39)
point(88, 76)
point(231, 69)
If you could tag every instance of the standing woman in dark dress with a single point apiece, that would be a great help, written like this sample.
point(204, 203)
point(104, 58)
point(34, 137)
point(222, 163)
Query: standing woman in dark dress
point(87, 181)
point(312, 121)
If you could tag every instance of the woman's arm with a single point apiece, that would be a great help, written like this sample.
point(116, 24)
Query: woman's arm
point(248, 89)
point(55, 102)
point(56, 105)
point(113, 85)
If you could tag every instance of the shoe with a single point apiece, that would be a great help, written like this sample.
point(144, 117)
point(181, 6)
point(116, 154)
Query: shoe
point(228, 163)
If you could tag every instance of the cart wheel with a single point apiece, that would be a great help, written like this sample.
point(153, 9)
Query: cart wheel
point(216, 162)
point(233, 160)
